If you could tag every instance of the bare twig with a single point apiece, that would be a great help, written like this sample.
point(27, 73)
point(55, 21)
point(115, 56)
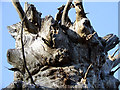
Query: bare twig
point(15, 69)
point(83, 80)
point(87, 71)
point(23, 53)
point(112, 73)
point(114, 53)
point(112, 58)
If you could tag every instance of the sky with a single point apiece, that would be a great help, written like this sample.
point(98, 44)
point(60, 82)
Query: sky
point(102, 15)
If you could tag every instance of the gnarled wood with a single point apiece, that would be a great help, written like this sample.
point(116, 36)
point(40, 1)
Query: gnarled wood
point(58, 56)
point(30, 27)
point(65, 12)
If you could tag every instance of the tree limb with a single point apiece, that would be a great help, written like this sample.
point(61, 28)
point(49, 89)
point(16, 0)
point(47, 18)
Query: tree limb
point(65, 12)
point(30, 27)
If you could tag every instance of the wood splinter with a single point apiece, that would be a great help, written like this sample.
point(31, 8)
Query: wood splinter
point(83, 80)
point(113, 72)
point(115, 52)
point(90, 36)
point(112, 58)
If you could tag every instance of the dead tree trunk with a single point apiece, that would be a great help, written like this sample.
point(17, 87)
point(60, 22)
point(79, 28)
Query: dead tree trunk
point(59, 53)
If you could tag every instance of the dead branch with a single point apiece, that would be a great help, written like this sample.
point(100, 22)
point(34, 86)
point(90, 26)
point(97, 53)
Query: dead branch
point(113, 72)
point(112, 58)
point(65, 12)
point(112, 63)
point(30, 27)
point(117, 60)
point(59, 14)
point(111, 41)
point(61, 46)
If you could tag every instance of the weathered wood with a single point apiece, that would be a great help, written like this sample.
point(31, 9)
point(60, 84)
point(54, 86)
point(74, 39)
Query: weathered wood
point(80, 13)
point(59, 14)
point(65, 12)
point(111, 41)
point(30, 27)
point(60, 56)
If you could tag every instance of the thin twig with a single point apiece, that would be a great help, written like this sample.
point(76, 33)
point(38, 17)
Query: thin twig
point(83, 80)
point(114, 53)
point(87, 71)
point(117, 69)
point(15, 69)
point(23, 53)
point(112, 73)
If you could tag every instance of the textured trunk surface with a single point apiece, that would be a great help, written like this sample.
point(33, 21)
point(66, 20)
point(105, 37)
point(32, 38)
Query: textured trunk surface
point(61, 54)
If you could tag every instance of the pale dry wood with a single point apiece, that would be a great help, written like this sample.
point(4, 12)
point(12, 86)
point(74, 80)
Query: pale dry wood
point(58, 57)
point(30, 27)
point(65, 12)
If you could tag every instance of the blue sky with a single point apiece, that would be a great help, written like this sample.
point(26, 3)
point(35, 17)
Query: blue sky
point(103, 17)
